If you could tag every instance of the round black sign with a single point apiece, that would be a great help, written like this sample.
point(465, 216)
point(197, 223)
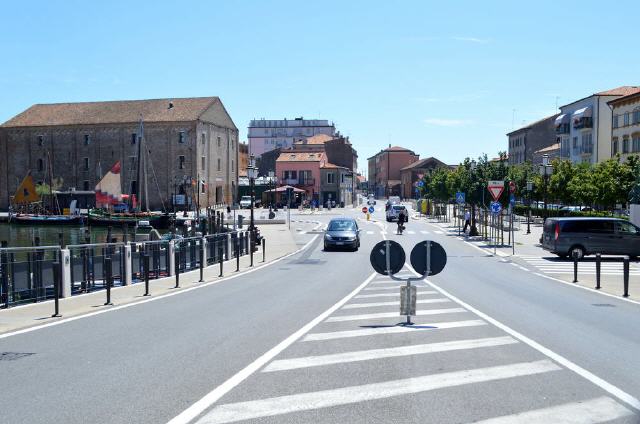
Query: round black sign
point(419, 258)
point(378, 257)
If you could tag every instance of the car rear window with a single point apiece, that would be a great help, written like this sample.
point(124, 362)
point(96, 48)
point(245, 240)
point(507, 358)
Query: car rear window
point(549, 225)
point(398, 207)
point(342, 225)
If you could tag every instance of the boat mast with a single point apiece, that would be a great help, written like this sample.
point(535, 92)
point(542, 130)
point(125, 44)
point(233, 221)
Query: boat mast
point(51, 197)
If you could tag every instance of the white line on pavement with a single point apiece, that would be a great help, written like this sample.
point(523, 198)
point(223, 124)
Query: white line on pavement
point(391, 330)
point(366, 296)
point(381, 288)
point(605, 385)
point(410, 232)
point(438, 232)
point(376, 304)
point(233, 412)
point(392, 352)
point(422, 312)
point(213, 396)
point(424, 232)
point(586, 288)
point(592, 411)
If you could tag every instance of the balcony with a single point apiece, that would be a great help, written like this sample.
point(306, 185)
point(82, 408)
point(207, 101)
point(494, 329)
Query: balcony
point(304, 182)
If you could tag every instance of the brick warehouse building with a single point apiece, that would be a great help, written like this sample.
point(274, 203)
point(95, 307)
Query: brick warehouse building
point(188, 138)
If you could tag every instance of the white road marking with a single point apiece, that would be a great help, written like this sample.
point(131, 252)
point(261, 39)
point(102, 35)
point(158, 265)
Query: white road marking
point(592, 411)
point(270, 407)
point(392, 352)
point(603, 384)
point(424, 232)
point(370, 232)
point(410, 232)
point(391, 330)
point(342, 318)
point(213, 396)
point(381, 288)
point(163, 296)
point(376, 304)
point(438, 232)
point(366, 296)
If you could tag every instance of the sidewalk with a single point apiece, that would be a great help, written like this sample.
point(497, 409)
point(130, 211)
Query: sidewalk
point(279, 242)
point(532, 258)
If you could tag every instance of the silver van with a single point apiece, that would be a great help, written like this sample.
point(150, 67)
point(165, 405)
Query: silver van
point(587, 236)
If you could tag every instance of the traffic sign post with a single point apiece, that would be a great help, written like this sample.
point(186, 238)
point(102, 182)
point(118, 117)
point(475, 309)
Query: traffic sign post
point(460, 198)
point(427, 258)
point(364, 209)
point(496, 207)
point(371, 209)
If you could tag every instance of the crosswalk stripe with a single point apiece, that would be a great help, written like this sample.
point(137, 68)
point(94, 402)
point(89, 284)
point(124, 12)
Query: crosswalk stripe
point(392, 352)
point(342, 318)
point(598, 410)
point(391, 330)
point(424, 232)
point(366, 296)
point(380, 288)
point(233, 412)
point(410, 232)
point(369, 232)
point(376, 304)
point(438, 232)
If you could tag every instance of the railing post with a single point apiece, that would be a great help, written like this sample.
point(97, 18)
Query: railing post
point(56, 289)
point(108, 275)
point(221, 260)
point(626, 276)
point(202, 258)
point(264, 254)
point(146, 274)
point(575, 267)
point(598, 260)
point(251, 243)
point(65, 273)
point(237, 246)
point(4, 262)
point(176, 260)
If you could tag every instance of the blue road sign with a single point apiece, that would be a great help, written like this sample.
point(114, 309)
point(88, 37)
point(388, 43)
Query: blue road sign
point(496, 207)
point(512, 200)
point(460, 197)
point(371, 209)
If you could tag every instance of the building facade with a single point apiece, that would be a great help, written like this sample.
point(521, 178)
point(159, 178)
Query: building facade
point(265, 135)
point(336, 184)
point(384, 170)
point(553, 152)
point(410, 174)
point(583, 127)
point(301, 170)
point(189, 140)
point(625, 131)
point(524, 141)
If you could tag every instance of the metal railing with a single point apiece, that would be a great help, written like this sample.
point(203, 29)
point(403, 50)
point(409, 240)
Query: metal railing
point(88, 271)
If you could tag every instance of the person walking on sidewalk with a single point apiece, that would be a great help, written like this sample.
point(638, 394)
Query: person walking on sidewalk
point(467, 221)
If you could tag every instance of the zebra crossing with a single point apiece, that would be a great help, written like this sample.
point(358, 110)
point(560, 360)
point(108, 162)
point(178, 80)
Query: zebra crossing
point(585, 267)
point(360, 366)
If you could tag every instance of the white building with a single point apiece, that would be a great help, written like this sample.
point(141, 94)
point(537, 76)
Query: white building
point(583, 127)
point(265, 135)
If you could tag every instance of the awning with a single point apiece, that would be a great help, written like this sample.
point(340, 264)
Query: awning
point(562, 119)
point(284, 189)
point(585, 112)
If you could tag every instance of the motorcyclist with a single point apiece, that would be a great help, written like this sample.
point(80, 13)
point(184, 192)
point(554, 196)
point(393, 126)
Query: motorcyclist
point(402, 218)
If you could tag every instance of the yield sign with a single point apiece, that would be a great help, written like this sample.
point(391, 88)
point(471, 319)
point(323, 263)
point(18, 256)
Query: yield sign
point(495, 188)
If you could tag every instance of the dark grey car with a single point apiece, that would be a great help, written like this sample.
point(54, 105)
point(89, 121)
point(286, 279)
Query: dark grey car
point(342, 233)
point(587, 236)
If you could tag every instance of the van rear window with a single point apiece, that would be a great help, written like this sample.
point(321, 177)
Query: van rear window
point(549, 225)
point(587, 226)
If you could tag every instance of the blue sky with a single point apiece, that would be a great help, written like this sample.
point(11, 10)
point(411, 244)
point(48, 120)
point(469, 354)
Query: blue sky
point(441, 78)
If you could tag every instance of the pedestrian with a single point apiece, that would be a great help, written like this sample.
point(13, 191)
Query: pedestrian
point(467, 221)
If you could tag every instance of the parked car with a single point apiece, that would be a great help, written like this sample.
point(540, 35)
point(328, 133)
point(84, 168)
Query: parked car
point(342, 233)
point(245, 202)
point(587, 236)
point(394, 211)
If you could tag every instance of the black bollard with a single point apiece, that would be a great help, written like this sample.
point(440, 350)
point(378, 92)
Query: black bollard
point(264, 254)
point(221, 259)
point(626, 276)
point(108, 276)
point(202, 260)
point(237, 246)
point(145, 263)
point(56, 289)
point(598, 259)
point(177, 267)
point(575, 267)
point(4, 261)
point(251, 244)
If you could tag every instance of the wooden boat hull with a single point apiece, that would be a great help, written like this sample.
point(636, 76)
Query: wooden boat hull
point(47, 219)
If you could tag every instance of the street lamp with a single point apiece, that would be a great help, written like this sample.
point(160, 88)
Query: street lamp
point(529, 190)
point(252, 173)
point(546, 169)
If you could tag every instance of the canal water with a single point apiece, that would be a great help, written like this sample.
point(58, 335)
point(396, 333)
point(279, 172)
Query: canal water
point(19, 235)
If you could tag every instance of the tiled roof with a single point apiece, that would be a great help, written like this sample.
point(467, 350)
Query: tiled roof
point(549, 148)
point(396, 149)
point(111, 112)
point(333, 166)
point(632, 96)
point(539, 121)
point(423, 163)
point(301, 157)
point(316, 139)
point(625, 90)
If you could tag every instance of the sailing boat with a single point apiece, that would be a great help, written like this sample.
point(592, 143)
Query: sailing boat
point(108, 194)
point(30, 210)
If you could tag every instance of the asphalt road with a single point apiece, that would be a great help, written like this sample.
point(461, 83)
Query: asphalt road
point(313, 338)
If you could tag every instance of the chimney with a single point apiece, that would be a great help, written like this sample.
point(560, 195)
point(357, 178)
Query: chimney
point(170, 105)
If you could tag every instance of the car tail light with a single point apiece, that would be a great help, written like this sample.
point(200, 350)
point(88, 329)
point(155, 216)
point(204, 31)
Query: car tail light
point(557, 230)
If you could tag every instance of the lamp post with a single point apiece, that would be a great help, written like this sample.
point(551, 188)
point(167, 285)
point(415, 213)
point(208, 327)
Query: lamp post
point(473, 231)
point(271, 175)
point(252, 173)
point(529, 190)
point(546, 169)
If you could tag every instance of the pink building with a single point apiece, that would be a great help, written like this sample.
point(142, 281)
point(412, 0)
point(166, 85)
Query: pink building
point(384, 170)
point(301, 170)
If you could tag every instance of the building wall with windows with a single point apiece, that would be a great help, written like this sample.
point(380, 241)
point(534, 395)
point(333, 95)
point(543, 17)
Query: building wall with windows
point(625, 131)
point(268, 134)
point(336, 183)
point(384, 170)
point(188, 140)
point(524, 141)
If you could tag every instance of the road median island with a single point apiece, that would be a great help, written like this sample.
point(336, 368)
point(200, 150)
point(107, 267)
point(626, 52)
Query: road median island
point(279, 242)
